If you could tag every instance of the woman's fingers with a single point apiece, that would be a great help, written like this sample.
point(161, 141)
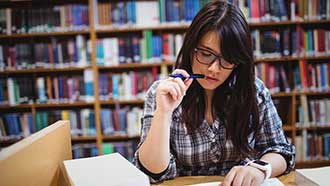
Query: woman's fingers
point(181, 71)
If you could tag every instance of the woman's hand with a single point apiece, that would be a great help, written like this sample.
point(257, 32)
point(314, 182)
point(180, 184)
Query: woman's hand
point(170, 91)
point(244, 176)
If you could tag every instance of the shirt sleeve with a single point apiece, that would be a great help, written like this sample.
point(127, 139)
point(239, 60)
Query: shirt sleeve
point(271, 137)
point(148, 112)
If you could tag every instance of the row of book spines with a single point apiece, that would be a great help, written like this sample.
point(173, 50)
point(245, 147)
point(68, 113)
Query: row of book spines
point(121, 121)
point(313, 41)
point(22, 125)
point(146, 12)
point(50, 89)
point(287, 42)
point(126, 149)
point(117, 121)
point(276, 10)
point(312, 77)
point(58, 18)
point(150, 48)
point(311, 146)
point(47, 89)
point(126, 85)
point(313, 112)
point(305, 76)
point(54, 54)
point(14, 126)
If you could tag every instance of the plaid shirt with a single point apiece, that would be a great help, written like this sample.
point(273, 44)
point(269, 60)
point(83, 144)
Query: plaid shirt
point(201, 152)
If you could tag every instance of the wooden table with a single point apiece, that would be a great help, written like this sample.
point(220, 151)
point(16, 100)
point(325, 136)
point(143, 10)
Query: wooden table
point(287, 180)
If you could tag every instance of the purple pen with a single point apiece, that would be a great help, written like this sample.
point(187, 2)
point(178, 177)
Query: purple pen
point(194, 76)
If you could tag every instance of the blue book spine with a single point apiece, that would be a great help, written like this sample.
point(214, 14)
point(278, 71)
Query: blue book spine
point(310, 42)
point(101, 84)
point(30, 123)
point(122, 13)
point(94, 151)
point(326, 141)
point(10, 129)
point(323, 76)
point(122, 50)
point(17, 125)
point(136, 49)
point(75, 15)
point(134, 12)
point(122, 120)
point(103, 116)
point(176, 12)
point(129, 12)
point(61, 87)
point(282, 10)
point(2, 90)
point(115, 86)
point(196, 7)
point(54, 47)
point(92, 128)
point(297, 81)
point(99, 53)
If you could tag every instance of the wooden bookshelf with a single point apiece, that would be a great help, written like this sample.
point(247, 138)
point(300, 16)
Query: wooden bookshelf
point(135, 65)
point(312, 163)
point(327, 127)
point(83, 139)
point(48, 34)
point(291, 58)
point(119, 138)
point(287, 23)
point(43, 70)
point(62, 105)
point(287, 127)
point(14, 107)
point(122, 102)
point(122, 29)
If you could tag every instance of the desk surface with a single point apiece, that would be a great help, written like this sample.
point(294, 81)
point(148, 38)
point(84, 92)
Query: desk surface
point(287, 180)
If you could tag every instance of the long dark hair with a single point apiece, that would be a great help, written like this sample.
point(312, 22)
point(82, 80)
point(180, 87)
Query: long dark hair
point(234, 102)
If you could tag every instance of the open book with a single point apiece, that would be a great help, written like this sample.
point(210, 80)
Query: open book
point(319, 176)
point(110, 170)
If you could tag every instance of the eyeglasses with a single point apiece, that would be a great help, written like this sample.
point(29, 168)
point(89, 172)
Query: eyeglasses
point(206, 57)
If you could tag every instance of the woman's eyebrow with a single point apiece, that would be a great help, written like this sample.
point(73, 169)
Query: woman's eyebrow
point(210, 50)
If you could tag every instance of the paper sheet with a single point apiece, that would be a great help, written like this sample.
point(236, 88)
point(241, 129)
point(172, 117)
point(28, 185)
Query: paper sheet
point(269, 182)
point(317, 175)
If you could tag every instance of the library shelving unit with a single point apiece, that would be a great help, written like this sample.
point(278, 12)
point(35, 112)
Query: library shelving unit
point(293, 96)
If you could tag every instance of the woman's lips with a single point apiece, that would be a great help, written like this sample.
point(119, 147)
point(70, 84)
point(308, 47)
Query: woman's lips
point(211, 79)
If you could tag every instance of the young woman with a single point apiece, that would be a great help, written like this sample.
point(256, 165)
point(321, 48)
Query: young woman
point(223, 124)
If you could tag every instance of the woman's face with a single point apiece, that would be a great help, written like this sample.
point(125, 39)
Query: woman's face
point(214, 73)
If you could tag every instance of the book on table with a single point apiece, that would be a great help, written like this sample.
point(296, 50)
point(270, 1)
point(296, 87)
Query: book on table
point(112, 169)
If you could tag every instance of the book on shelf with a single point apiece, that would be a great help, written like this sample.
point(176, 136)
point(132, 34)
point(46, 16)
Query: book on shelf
point(84, 150)
point(290, 42)
point(59, 18)
point(74, 52)
point(313, 112)
point(311, 146)
point(15, 126)
point(145, 13)
point(111, 169)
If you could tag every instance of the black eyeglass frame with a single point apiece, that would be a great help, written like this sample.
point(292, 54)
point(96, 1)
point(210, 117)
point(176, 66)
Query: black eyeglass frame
point(220, 58)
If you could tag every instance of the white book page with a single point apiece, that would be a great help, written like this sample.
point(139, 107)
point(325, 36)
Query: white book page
point(268, 182)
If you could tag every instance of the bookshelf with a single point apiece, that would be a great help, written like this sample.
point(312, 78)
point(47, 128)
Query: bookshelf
point(289, 100)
